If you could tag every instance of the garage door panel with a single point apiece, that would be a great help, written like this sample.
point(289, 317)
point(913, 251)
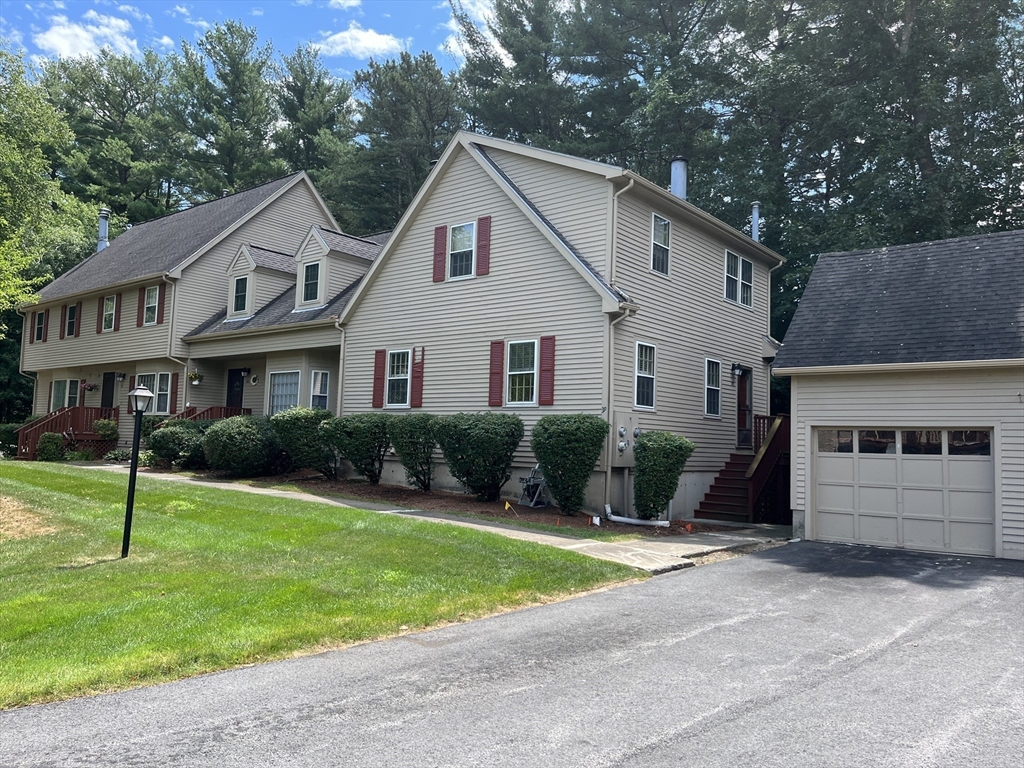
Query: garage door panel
point(836, 525)
point(970, 473)
point(877, 469)
point(975, 538)
point(885, 500)
point(836, 497)
point(923, 502)
point(972, 505)
point(922, 471)
point(837, 469)
point(878, 530)
point(924, 534)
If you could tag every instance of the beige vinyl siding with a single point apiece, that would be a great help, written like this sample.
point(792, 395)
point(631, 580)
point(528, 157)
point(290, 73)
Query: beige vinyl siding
point(313, 249)
point(321, 360)
point(269, 285)
point(954, 398)
point(531, 291)
point(686, 316)
point(578, 203)
point(295, 337)
point(281, 226)
point(342, 271)
point(127, 343)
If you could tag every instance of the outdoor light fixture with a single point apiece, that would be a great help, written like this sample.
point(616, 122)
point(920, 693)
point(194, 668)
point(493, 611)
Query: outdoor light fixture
point(120, 377)
point(139, 399)
point(245, 372)
point(737, 370)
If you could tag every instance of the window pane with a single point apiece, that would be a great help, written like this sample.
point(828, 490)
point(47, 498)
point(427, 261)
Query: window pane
point(730, 288)
point(108, 313)
point(922, 442)
point(521, 357)
point(284, 391)
point(148, 380)
point(748, 271)
point(398, 378)
point(732, 265)
point(40, 324)
point(714, 373)
point(645, 391)
point(712, 403)
point(746, 298)
point(152, 298)
point(321, 381)
point(60, 394)
point(399, 365)
point(835, 440)
point(659, 259)
point(462, 238)
point(661, 231)
point(876, 441)
point(74, 387)
point(645, 359)
point(241, 286)
point(72, 319)
point(398, 391)
point(970, 442)
point(520, 388)
point(311, 282)
point(460, 259)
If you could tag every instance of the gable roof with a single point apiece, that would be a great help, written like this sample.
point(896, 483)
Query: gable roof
point(157, 246)
point(264, 257)
point(350, 244)
point(940, 301)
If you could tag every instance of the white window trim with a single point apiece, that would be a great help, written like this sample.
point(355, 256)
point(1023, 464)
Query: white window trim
point(112, 313)
point(152, 410)
point(146, 305)
point(707, 387)
point(303, 301)
point(509, 373)
point(270, 390)
point(79, 397)
point(668, 264)
point(40, 330)
point(637, 374)
point(388, 378)
point(312, 382)
point(448, 257)
point(69, 329)
point(739, 280)
point(234, 314)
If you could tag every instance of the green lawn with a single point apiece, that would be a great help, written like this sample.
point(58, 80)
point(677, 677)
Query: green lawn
point(217, 578)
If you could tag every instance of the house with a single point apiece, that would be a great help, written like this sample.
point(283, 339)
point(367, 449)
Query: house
point(907, 368)
point(531, 282)
point(152, 307)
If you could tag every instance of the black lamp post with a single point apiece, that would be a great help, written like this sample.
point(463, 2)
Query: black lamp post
point(139, 398)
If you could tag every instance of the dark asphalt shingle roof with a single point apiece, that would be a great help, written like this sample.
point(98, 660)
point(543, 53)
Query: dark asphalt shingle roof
point(946, 300)
point(158, 246)
point(355, 246)
point(380, 238)
point(264, 257)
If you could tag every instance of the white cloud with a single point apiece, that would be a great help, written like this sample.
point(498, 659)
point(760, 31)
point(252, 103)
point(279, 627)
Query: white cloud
point(303, 2)
point(256, 11)
point(67, 38)
point(134, 12)
point(345, 4)
point(360, 43)
point(480, 12)
point(164, 42)
point(11, 33)
point(186, 15)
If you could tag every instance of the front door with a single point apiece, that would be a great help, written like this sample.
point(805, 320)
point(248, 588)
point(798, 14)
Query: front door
point(744, 409)
point(107, 394)
point(236, 387)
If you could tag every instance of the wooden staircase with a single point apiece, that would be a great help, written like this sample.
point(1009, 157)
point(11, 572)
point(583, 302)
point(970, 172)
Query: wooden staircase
point(727, 499)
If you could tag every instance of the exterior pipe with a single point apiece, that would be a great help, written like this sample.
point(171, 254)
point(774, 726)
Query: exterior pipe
point(755, 221)
point(680, 167)
point(104, 234)
point(637, 521)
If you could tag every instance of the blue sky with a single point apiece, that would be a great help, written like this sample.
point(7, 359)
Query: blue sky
point(349, 32)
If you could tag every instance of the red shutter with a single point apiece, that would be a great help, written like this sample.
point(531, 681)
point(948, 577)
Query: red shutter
point(160, 304)
point(483, 245)
point(546, 389)
point(99, 316)
point(32, 329)
point(63, 319)
point(496, 389)
point(46, 324)
point(131, 386)
point(174, 393)
point(49, 398)
point(380, 358)
point(440, 252)
point(78, 318)
point(117, 312)
point(416, 396)
point(140, 316)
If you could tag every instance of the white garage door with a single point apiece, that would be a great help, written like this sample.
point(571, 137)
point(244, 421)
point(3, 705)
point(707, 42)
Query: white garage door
point(915, 488)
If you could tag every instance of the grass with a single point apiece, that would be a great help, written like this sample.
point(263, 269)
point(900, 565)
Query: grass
point(217, 579)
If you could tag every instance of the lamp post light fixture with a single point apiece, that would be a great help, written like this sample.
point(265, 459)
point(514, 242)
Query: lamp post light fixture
point(139, 399)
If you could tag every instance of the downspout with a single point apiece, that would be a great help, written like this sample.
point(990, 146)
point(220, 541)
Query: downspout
point(341, 367)
point(615, 221)
point(768, 330)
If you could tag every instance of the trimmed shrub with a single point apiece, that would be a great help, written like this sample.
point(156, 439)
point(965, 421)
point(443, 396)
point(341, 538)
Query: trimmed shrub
point(660, 458)
point(149, 423)
point(242, 445)
point(567, 447)
point(414, 439)
point(297, 429)
point(146, 459)
point(118, 455)
point(50, 447)
point(105, 429)
point(478, 448)
point(179, 443)
point(362, 438)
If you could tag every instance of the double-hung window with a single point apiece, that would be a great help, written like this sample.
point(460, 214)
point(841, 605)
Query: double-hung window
point(399, 372)
point(65, 393)
point(40, 328)
point(71, 321)
point(240, 297)
point(522, 372)
point(109, 307)
point(461, 254)
point(319, 388)
point(661, 235)
point(152, 300)
point(712, 387)
point(739, 279)
point(645, 362)
point(284, 391)
point(160, 385)
point(311, 282)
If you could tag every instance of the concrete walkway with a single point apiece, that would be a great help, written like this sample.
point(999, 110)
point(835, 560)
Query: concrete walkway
point(654, 555)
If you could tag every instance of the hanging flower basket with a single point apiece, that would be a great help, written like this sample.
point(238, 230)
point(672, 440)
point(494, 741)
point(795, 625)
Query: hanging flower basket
point(195, 377)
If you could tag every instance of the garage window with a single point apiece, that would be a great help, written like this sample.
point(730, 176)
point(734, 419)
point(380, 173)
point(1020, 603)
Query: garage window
point(970, 442)
point(876, 441)
point(922, 442)
point(835, 440)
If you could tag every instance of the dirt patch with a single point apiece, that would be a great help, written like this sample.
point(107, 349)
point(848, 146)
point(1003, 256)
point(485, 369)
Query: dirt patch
point(729, 554)
point(19, 522)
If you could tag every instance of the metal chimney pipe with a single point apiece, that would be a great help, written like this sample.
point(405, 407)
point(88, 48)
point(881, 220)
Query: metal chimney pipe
point(755, 221)
point(104, 229)
point(679, 169)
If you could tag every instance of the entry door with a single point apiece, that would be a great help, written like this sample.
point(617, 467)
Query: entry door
point(744, 410)
point(107, 394)
point(236, 387)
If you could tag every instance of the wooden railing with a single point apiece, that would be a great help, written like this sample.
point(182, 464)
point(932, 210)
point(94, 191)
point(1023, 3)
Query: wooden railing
point(774, 444)
point(186, 415)
point(220, 412)
point(73, 420)
point(761, 426)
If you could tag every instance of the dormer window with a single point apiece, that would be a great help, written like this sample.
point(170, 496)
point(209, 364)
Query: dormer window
point(311, 282)
point(240, 295)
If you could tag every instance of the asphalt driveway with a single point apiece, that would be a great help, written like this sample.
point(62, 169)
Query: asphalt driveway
point(804, 655)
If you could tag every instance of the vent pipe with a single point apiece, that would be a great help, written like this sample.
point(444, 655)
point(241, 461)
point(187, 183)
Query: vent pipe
point(104, 229)
point(755, 221)
point(679, 168)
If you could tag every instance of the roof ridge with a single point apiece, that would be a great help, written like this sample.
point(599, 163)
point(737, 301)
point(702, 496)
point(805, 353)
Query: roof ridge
point(271, 250)
point(924, 243)
point(346, 234)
